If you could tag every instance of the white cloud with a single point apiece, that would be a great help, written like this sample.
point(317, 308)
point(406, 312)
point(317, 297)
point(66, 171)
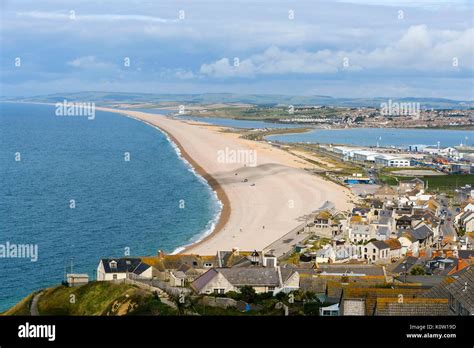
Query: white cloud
point(89, 62)
point(93, 17)
point(418, 49)
point(184, 74)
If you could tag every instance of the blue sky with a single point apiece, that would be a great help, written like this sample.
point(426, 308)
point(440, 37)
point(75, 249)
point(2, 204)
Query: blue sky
point(351, 48)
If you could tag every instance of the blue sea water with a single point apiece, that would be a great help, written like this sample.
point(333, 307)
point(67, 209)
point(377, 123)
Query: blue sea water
point(120, 205)
point(383, 136)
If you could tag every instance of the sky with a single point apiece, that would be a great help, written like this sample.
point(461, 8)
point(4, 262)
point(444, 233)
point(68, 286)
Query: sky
point(338, 48)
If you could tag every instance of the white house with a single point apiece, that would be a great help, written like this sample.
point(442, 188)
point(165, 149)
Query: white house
point(375, 251)
point(121, 268)
point(360, 233)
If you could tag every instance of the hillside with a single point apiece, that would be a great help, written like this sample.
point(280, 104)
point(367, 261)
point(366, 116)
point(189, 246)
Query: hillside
point(95, 298)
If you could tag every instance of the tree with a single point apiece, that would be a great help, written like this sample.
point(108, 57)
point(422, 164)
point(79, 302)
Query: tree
point(248, 294)
point(417, 270)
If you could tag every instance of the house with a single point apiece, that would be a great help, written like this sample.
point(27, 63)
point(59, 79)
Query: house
point(423, 234)
point(177, 278)
point(442, 265)
point(261, 279)
point(409, 243)
point(403, 222)
point(385, 193)
point(411, 307)
point(461, 299)
point(359, 233)
point(376, 250)
point(323, 224)
point(466, 221)
point(121, 268)
point(363, 300)
point(191, 265)
point(329, 311)
point(409, 185)
point(74, 279)
point(382, 232)
point(395, 248)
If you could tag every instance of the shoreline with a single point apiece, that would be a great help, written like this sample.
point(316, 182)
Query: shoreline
point(259, 203)
point(222, 197)
point(251, 217)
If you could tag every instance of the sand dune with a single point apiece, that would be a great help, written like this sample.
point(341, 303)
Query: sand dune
point(273, 199)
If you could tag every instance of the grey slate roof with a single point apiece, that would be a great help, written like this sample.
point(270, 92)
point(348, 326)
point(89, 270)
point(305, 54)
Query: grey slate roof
point(369, 270)
point(422, 232)
point(258, 276)
point(202, 280)
point(131, 265)
point(465, 254)
point(383, 231)
point(462, 289)
point(409, 262)
point(385, 213)
point(379, 244)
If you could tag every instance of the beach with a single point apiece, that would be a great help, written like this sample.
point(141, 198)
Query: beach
point(262, 199)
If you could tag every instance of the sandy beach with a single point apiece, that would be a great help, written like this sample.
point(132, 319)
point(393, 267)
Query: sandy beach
point(261, 203)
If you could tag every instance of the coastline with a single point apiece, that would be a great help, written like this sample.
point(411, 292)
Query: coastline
point(252, 217)
point(224, 213)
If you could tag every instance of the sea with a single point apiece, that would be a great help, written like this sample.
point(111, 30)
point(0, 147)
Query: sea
point(79, 189)
point(384, 137)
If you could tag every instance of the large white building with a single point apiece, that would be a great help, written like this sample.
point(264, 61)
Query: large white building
point(392, 161)
point(365, 156)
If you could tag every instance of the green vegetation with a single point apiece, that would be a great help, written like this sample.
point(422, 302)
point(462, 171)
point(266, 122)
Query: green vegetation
point(417, 270)
point(95, 298)
point(443, 183)
point(22, 307)
point(260, 135)
point(268, 112)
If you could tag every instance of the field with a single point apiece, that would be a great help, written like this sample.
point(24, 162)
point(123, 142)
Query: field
point(443, 183)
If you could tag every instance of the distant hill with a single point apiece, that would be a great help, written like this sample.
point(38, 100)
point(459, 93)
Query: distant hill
point(257, 99)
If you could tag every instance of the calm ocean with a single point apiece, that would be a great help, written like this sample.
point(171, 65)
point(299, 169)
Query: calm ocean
point(154, 201)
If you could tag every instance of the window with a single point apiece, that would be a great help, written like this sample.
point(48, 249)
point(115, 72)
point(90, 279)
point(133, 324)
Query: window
point(208, 264)
point(114, 276)
point(219, 291)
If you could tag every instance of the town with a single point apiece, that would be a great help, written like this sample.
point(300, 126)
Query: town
point(400, 251)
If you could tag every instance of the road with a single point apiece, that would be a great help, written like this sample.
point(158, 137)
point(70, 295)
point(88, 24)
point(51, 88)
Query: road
point(447, 228)
point(34, 304)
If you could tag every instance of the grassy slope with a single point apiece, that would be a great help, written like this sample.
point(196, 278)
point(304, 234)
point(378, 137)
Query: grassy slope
point(22, 307)
point(437, 182)
point(95, 298)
